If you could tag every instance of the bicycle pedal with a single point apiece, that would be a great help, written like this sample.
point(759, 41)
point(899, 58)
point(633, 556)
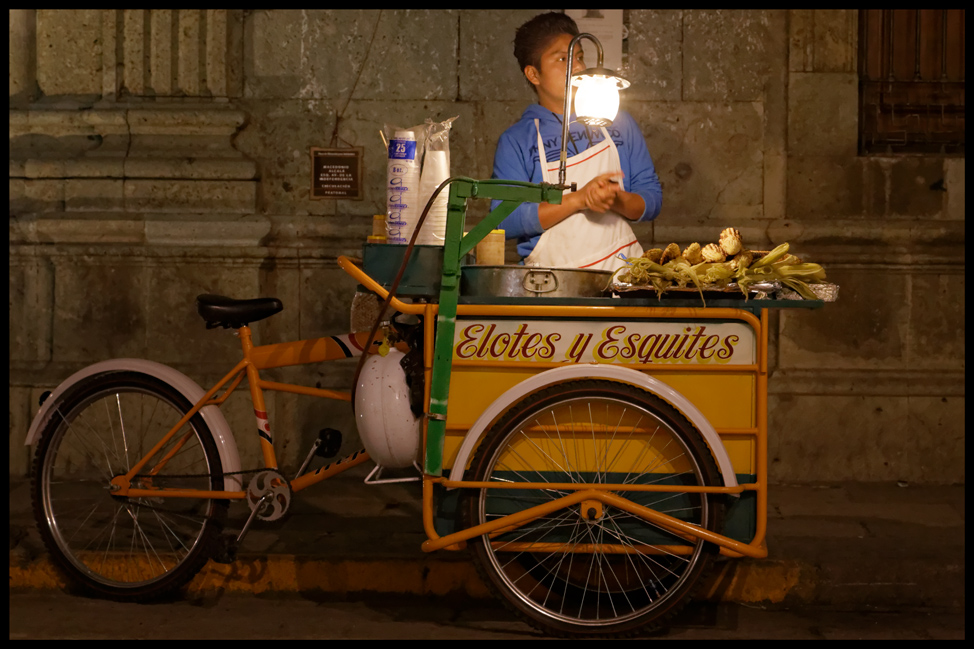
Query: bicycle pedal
point(331, 443)
point(226, 549)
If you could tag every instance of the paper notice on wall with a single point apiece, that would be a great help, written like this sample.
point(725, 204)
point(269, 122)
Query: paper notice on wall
point(606, 25)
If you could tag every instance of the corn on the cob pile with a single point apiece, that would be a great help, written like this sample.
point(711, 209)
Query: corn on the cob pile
point(717, 265)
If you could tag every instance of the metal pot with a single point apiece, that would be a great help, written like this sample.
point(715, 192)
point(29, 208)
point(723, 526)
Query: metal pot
point(533, 281)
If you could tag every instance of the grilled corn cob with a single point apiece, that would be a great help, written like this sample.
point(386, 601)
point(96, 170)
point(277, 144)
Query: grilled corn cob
point(713, 253)
point(670, 253)
point(653, 254)
point(693, 254)
point(730, 241)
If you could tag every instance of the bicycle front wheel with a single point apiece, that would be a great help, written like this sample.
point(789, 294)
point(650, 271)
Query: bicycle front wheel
point(129, 549)
point(592, 569)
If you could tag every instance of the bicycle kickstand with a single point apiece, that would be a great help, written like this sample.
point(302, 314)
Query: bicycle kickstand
point(226, 552)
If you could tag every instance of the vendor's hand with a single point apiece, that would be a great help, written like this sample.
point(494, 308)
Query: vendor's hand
point(600, 192)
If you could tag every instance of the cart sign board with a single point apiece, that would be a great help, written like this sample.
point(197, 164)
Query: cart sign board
point(336, 173)
point(697, 342)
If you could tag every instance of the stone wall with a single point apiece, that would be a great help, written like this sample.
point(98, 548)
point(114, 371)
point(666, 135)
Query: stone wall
point(159, 154)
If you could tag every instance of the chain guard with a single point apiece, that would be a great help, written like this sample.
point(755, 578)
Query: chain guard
point(269, 482)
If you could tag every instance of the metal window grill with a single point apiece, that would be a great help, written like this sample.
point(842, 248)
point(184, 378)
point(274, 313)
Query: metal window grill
point(911, 81)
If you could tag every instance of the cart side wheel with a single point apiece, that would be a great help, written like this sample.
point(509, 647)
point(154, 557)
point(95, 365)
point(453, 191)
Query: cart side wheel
point(593, 570)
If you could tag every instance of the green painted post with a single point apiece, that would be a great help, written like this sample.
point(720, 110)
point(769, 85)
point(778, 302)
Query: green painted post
point(455, 248)
point(445, 326)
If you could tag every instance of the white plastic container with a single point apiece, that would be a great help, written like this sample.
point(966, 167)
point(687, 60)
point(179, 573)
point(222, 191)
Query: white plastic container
point(436, 169)
point(402, 188)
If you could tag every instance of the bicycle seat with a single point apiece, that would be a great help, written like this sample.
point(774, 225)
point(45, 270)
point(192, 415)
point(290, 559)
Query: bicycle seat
point(220, 311)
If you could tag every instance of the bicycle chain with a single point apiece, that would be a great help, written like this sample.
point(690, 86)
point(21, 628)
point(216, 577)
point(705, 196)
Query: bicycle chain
point(136, 499)
point(193, 475)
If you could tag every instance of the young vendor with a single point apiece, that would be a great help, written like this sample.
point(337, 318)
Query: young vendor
point(611, 166)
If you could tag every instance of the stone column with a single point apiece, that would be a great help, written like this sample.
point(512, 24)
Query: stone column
point(23, 62)
point(178, 52)
point(69, 53)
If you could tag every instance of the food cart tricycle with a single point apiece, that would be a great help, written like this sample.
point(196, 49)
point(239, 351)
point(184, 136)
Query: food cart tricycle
point(595, 454)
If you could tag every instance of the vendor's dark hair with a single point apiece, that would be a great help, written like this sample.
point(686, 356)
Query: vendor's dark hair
point(533, 36)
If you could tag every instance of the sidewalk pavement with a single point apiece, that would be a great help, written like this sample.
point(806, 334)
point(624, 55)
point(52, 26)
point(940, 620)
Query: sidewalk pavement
point(850, 545)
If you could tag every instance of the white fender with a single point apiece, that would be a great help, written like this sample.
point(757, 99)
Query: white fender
point(594, 371)
point(215, 421)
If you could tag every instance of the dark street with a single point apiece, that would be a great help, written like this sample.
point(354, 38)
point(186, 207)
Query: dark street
point(57, 616)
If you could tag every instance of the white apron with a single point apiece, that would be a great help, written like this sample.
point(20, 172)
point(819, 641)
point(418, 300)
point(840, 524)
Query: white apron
point(585, 239)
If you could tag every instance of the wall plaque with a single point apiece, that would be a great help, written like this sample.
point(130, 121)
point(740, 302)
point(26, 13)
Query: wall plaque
point(336, 173)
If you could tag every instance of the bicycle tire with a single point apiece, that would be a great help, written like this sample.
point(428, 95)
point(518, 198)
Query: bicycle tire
point(125, 549)
point(655, 572)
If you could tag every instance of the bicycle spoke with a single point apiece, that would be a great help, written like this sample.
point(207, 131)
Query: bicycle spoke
point(630, 560)
point(79, 442)
point(564, 453)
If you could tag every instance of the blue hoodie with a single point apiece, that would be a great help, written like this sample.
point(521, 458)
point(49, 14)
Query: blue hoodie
point(517, 159)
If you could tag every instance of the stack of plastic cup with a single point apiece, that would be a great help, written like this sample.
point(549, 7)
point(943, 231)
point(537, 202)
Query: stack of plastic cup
point(402, 208)
point(436, 169)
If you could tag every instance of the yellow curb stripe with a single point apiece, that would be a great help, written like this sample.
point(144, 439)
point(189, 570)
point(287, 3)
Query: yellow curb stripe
point(748, 582)
point(39, 574)
point(294, 574)
point(739, 581)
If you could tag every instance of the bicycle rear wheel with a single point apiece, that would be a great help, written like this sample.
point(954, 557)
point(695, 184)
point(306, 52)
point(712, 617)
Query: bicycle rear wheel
point(130, 549)
point(593, 569)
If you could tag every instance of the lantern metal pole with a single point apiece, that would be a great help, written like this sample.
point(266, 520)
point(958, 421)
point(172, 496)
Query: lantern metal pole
point(568, 99)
